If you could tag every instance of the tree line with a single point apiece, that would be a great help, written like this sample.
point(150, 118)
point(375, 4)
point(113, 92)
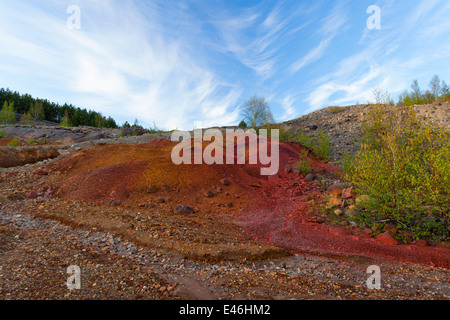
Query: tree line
point(438, 91)
point(41, 109)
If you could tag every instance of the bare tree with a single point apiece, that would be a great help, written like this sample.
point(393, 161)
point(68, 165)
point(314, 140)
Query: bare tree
point(257, 112)
point(37, 110)
point(435, 85)
point(445, 89)
point(416, 91)
point(381, 96)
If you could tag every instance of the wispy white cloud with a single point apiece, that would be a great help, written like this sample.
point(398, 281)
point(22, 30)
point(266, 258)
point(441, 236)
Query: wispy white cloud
point(178, 62)
point(332, 25)
point(389, 58)
point(312, 56)
point(129, 66)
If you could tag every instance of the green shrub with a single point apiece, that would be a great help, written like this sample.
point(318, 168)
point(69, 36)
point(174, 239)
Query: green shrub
point(31, 142)
point(304, 164)
point(403, 167)
point(320, 145)
point(26, 119)
point(346, 162)
point(15, 142)
point(305, 140)
point(283, 135)
point(335, 110)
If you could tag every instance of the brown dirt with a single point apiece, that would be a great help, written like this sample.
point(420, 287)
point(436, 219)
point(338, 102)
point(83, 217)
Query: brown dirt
point(13, 157)
point(5, 141)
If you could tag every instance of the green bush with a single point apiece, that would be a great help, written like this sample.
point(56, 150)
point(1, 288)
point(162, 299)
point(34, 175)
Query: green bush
point(283, 135)
point(346, 162)
point(31, 142)
point(26, 119)
point(403, 167)
point(320, 145)
point(304, 164)
point(305, 140)
point(335, 110)
point(15, 142)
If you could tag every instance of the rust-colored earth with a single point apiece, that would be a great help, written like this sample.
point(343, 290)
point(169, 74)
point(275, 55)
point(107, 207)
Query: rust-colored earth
point(5, 141)
point(273, 210)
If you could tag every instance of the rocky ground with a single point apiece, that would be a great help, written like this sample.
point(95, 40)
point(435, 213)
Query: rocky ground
point(142, 250)
point(343, 124)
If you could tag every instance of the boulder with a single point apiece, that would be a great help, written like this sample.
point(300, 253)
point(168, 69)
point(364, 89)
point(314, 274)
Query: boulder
point(184, 210)
point(166, 187)
point(337, 188)
point(421, 243)
point(32, 195)
point(152, 189)
point(339, 231)
point(208, 194)
point(334, 202)
point(387, 238)
point(348, 193)
point(310, 177)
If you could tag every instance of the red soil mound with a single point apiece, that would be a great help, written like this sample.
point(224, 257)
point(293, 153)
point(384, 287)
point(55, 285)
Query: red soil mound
point(271, 209)
point(124, 173)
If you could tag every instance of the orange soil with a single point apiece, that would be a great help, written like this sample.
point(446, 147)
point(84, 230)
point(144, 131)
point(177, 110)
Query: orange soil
point(5, 141)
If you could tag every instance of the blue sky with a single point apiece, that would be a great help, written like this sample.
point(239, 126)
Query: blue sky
point(176, 62)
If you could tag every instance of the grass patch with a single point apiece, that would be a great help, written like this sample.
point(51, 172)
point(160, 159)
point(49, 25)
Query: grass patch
point(320, 144)
point(335, 110)
point(304, 164)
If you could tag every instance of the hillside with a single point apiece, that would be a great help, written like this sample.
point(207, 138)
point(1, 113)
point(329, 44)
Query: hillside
point(343, 124)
